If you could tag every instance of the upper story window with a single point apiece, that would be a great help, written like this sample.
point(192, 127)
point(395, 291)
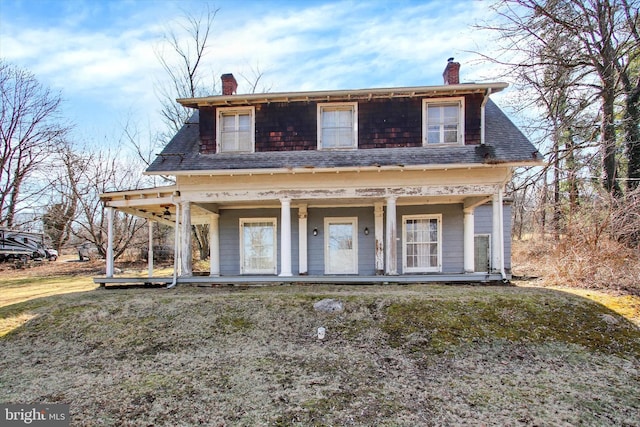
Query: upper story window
point(443, 121)
point(337, 126)
point(236, 130)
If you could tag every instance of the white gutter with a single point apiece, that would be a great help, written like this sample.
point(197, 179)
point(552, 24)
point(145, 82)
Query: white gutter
point(176, 245)
point(482, 115)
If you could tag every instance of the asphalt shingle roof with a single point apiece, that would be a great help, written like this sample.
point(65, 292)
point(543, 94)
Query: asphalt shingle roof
point(504, 144)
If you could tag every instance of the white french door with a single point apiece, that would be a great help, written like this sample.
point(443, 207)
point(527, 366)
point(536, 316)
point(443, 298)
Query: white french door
point(341, 245)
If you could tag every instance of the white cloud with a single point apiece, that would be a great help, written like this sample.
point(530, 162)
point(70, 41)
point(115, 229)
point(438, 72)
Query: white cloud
point(335, 45)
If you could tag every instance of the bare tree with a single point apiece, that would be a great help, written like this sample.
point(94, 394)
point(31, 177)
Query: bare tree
point(182, 55)
point(97, 173)
point(187, 45)
point(30, 128)
point(600, 40)
point(61, 212)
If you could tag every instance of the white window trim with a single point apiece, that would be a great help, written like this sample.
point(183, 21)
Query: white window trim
point(436, 269)
point(425, 103)
point(332, 220)
point(332, 105)
point(274, 221)
point(226, 110)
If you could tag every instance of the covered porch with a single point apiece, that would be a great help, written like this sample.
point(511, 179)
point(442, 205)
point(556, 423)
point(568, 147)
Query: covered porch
point(301, 220)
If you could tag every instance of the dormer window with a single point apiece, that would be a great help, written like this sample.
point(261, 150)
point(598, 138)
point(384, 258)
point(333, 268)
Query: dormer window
point(338, 126)
point(443, 121)
point(236, 130)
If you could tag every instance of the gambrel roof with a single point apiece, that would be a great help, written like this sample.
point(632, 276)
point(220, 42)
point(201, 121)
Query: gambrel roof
point(504, 144)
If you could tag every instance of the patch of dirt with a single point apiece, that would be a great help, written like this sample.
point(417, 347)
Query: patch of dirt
point(69, 266)
point(61, 267)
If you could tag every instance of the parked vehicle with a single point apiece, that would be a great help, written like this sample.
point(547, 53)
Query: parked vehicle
point(16, 244)
point(87, 251)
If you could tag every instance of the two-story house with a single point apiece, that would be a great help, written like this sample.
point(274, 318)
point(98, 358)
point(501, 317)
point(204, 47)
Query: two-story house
point(341, 185)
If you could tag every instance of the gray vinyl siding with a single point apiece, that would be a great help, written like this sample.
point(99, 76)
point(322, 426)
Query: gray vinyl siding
point(484, 225)
point(452, 233)
point(366, 244)
point(507, 237)
point(229, 224)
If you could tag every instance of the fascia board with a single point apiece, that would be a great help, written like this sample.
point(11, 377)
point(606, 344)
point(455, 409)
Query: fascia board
point(233, 172)
point(334, 95)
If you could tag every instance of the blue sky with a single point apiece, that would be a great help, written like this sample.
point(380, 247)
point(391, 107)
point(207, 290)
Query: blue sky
point(101, 54)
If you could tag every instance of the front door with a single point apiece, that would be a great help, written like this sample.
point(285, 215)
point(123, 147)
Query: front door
point(258, 246)
point(341, 245)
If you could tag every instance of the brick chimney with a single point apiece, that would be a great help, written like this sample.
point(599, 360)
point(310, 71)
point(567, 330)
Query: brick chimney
point(451, 73)
point(229, 84)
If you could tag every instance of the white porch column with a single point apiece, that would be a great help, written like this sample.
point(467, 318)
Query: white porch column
point(391, 243)
point(469, 241)
point(109, 268)
point(150, 250)
point(302, 240)
point(378, 212)
point(185, 234)
point(496, 232)
point(214, 245)
point(285, 237)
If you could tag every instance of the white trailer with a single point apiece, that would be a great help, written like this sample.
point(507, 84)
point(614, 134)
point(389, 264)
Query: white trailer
point(15, 244)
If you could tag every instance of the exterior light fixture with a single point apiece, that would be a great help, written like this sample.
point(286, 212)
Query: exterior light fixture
point(366, 231)
point(315, 231)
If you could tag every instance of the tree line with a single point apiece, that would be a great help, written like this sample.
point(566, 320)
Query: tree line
point(578, 63)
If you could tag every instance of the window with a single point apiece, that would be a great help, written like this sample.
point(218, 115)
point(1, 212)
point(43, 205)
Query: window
point(337, 126)
point(236, 130)
point(258, 246)
point(422, 248)
point(443, 121)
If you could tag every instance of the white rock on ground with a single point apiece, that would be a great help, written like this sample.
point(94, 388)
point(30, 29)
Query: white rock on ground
point(329, 305)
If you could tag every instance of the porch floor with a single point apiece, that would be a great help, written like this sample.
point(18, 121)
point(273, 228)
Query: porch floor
point(278, 280)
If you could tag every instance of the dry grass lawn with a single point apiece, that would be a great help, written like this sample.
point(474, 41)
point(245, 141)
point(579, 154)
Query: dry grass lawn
point(397, 356)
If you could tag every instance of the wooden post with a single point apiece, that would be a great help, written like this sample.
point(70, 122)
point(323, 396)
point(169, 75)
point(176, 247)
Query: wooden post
point(469, 241)
point(186, 257)
point(214, 245)
point(285, 238)
point(391, 243)
point(302, 240)
point(150, 250)
point(109, 260)
point(379, 237)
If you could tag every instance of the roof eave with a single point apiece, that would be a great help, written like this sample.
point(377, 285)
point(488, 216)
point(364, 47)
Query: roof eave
point(342, 95)
point(313, 170)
